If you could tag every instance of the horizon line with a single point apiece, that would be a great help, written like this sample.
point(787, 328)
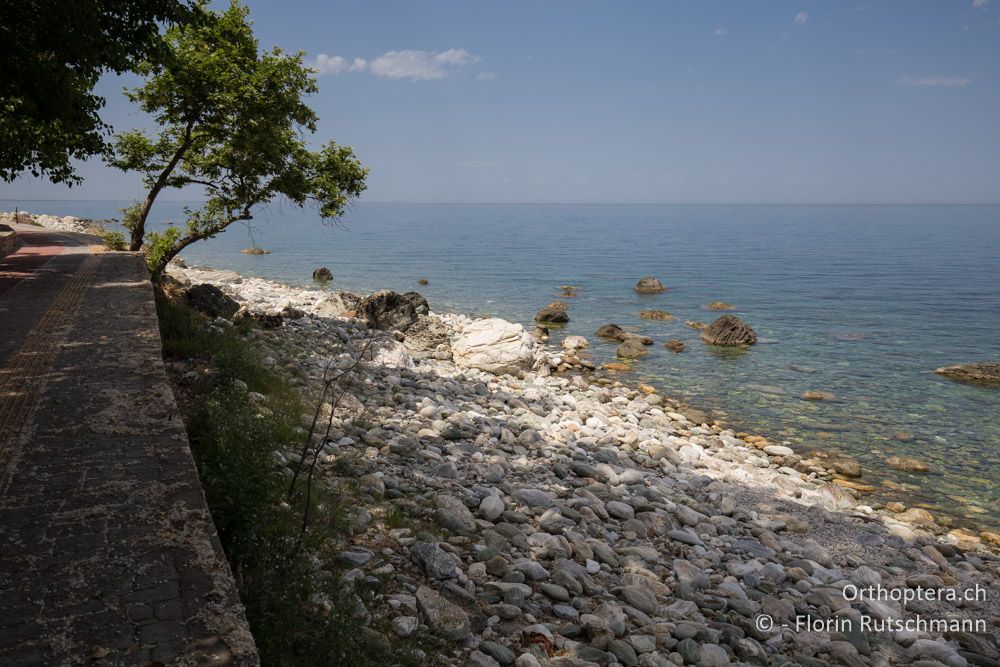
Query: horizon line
point(567, 203)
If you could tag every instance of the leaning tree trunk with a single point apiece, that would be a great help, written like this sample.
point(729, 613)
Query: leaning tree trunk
point(139, 228)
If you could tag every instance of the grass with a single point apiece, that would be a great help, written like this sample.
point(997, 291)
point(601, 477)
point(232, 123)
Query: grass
point(298, 611)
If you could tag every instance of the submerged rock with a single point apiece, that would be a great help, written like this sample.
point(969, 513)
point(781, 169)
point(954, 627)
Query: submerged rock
point(387, 310)
point(728, 330)
point(695, 324)
point(983, 372)
point(813, 395)
point(674, 345)
point(255, 251)
point(660, 315)
point(649, 285)
point(556, 312)
point(719, 305)
point(322, 274)
point(619, 335)
point(632, 348)
point(907, 464)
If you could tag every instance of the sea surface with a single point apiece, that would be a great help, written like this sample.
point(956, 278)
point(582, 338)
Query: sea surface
point(860, 301)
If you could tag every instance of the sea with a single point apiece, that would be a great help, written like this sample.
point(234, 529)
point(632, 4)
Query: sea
point(863, 302)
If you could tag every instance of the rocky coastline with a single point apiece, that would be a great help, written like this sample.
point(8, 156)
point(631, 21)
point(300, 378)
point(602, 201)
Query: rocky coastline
point(527, 508)
point(563, 518)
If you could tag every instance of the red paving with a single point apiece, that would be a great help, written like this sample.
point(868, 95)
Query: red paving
point(36, 250)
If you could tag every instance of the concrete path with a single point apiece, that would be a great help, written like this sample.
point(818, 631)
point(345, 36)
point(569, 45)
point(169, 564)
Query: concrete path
point(108, 554)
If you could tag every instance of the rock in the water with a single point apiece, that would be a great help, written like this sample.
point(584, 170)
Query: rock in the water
point(388, 310)
point(907, 464)
point(719, 305)
point(493, 345)
point(659, 315)
point(211, 301)
point(556, 312)
point(617, 334)
point(817, 396)
point(445, 619)
point(674, 345)
point(631, 348)
point(423, 281)
point(649, 285)
point(575, 343)
point(322, 274)
point(255, 251)
point(728, 330)
point(984, 372)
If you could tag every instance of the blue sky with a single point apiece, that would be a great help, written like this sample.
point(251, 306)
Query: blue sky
point(688, 102)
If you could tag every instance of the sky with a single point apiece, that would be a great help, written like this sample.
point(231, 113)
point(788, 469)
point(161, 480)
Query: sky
point(638, 101)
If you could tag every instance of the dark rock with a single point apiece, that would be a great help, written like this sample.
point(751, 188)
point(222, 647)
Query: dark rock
point(728, 330)
point(322, 274)
point(540, 332)
point(433, 560)
point(619, 335)
point(426, 334)
point(674, 345)
point(695, 324)
point(661, 315)
point(388, 310)
point(211, 301)
point(422, 281)
point(554, 313)
point(984, 372)
point(632, 348)
point(649, 285)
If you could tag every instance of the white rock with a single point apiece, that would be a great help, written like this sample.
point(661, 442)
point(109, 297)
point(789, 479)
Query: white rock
point(493, 345)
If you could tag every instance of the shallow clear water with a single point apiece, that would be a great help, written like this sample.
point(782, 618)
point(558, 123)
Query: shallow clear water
point(860, 301)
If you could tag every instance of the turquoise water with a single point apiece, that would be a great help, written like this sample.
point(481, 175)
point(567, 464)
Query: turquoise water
point(860, 301)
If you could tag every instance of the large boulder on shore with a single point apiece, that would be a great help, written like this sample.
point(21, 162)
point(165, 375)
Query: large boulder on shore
point(649, 285)
point(728, 330)
point(554, 313)
point(983, 372)
point(493, 345)
point(388, 310)
point(212, 301)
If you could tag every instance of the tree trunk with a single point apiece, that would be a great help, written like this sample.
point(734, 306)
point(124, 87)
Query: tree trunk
point(139, 228)
point(184, 242)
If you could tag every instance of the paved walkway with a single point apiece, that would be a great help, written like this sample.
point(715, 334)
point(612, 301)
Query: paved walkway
point(107, 552)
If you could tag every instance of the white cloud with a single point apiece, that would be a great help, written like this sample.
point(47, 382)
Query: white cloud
point(421, 65)
point(929, 81)
point(719, 32)
point(406, 64)
point(486, 76)
point(330, 64)
point(801, 18)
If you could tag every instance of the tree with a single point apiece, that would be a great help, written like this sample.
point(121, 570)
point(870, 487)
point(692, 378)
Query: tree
point(54, 51)
point(231, 120)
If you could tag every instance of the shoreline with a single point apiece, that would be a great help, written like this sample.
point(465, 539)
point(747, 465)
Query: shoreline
point(266, 295)
point(589, 513)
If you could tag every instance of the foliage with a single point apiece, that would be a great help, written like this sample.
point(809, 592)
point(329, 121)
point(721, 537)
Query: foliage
point(113, 239)
point(231, 119)
point(53, 54)
point(158, 246)
point(297, 616)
